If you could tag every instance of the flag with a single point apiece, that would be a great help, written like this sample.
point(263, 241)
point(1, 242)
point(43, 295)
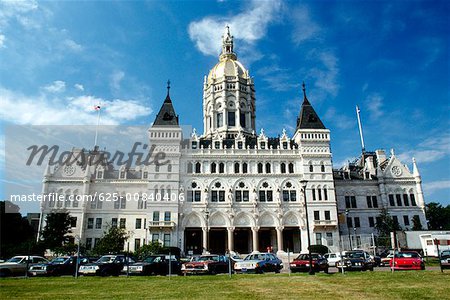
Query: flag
point(97, 107)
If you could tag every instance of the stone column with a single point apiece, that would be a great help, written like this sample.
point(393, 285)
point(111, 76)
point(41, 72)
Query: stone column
point(304, 239)
point(205, 239)
point(230, 238)
point(255, 238)
point(279, 238)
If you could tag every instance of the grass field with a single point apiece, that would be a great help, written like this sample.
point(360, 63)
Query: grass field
point(357, 285)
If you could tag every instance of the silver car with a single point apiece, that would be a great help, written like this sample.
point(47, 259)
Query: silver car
point(17, 266)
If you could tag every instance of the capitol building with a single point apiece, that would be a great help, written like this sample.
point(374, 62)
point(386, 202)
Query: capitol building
point(232, 187)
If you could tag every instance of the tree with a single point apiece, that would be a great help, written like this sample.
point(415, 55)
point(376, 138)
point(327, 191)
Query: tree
point(321, 249)
point(149, 249)
point(17, 236)
point(57, 226)
point(438, 216)
point(112, 241)
point(385, 225)
point(417, 225)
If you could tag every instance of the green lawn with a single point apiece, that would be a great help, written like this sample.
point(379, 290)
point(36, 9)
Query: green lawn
point(357, 285)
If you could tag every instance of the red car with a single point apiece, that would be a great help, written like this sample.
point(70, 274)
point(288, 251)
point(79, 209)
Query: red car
point(301, 263)
point(407, 260)
point(206, 264)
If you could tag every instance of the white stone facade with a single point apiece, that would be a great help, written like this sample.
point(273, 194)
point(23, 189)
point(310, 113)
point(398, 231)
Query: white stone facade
point(232, 188)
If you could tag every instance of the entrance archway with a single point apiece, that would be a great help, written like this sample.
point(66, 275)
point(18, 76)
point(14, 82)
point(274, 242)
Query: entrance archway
point(193, 241)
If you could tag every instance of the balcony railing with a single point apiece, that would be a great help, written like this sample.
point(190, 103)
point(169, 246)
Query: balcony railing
point(325, 223)
point(161, 224)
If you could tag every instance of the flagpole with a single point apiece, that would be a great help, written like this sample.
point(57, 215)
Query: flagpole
point(96, 127)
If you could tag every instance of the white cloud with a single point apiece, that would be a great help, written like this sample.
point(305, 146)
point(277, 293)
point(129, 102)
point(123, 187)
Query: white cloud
point(304, 27)
point(374, 103)
point(434, 186)
point(79, 87)
point(247, 27)
point(116, 79)
point(2, 40)
point(14, 10)
point(47, 110)
point(72, 45)
point(340, 120)
point(430, 150)
point(325, 74)
point(57, 86)
point(277, 78)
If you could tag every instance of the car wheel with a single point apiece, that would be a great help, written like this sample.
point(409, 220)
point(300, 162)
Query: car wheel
point(105, 273)
point(277, 269)
point(325, 270)
point(5, 273)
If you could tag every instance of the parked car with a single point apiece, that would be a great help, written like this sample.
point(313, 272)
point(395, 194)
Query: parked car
point(301, 263)
point(259, 263)
point(155, 265)
point(385, 261)
point(206, 264)
point(107, 265)
point(62, 265)
point(407, 260)
point(17, 265)
point(445, 259)
point(332, 258)
point(356, 261)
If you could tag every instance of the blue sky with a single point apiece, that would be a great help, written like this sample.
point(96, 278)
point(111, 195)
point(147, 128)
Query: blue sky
point(391, 58)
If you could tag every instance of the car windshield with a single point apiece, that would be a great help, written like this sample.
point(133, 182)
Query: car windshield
point(407, 255)
point(106, 259)
point(15, 259)
point(355, 255)
point(206, 258)
point(306, 257)
point(255, 257)
point(59, 260)
point(150, 259)
point(445, 254)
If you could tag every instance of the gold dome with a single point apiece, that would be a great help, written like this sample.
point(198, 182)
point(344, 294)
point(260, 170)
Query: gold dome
point(227, 67)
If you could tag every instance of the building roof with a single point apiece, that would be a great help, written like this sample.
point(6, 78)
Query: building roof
point(167, 115)
point(308, 118)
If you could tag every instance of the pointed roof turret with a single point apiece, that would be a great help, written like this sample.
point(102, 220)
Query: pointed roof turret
point(308, 118)
point(167, 115)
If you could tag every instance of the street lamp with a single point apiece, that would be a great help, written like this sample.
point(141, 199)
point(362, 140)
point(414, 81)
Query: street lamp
point(303, 184)
point(348, 229)
point(78, 255)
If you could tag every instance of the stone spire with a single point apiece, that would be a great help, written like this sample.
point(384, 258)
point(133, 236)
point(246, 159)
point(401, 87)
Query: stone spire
point(308, 118)
point(167, 115)
point(227, 46)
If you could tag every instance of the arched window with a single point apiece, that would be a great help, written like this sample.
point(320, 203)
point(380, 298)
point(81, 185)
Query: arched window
point(198, 167)
point(221, 168)
point(319, 193)
point(267, 168)
point(189, 168)
point(236, 167)
point(169, 168)
point(241, 193)
point(265, 193)
point(322, 168)
point(213, 167)
point(157, 168)
point(325, 193)
point(260, 168)
point(218, 192)
point(311, 167)
point(194, 193)
point(244, 168)
point(289, 192)
point(291, 168)
point(283, 168)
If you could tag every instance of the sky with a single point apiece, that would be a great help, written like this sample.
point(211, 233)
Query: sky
point(59, 58)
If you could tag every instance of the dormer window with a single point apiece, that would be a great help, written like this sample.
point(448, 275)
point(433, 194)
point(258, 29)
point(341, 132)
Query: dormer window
point(194, 145)
point(285, 145)
point(99, 174)
point(122, 175)
point(145, 175)
point(217, 145)
point(240, 145)
point(263, 145)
